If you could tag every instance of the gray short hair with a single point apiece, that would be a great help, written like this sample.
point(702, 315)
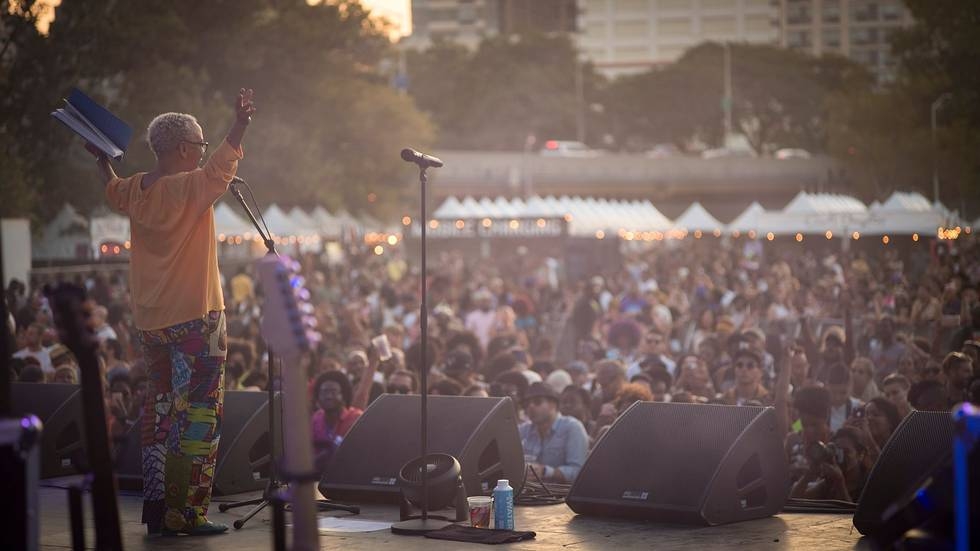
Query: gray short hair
point(166, 131)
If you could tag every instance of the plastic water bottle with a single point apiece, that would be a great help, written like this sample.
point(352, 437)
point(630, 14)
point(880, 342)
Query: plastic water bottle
point(503, 506)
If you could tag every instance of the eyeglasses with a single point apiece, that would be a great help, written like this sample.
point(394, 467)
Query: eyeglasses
point(204, 145)
point(746, 365)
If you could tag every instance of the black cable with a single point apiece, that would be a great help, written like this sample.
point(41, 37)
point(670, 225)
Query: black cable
point(257, 209)
point(537, 492)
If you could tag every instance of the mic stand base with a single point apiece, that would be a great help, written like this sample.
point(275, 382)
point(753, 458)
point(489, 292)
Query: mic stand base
point(418, 526)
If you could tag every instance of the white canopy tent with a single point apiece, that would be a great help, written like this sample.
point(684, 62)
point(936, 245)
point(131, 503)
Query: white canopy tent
point(227, 222)
point(328, 226)
point(909, 213)
point(697, 218)
point(65, 237)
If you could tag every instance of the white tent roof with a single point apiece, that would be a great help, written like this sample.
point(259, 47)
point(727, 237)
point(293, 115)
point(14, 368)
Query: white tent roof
point(749, 219)
point(228, 222)
point(907, 213)
point(696, 217)
point(326, 223)
point(823, 203)
point(280, 224)
point(450, 208)
point(304, 222)
point(66, 236)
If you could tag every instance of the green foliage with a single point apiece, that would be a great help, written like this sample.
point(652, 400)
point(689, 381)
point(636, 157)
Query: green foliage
point(779, 98)
point(885, 136)
point(508, 88)
point(328, 128)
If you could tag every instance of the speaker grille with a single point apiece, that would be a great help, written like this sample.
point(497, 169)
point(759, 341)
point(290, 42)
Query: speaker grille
point(480, 432)
point(644, 445)
point(918, 445)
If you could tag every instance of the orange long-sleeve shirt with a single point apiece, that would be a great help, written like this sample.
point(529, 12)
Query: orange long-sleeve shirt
point(173, 272)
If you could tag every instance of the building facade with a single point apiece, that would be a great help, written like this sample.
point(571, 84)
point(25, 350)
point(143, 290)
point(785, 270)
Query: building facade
point(464, 21)
point(858, 29)
point(631, 36)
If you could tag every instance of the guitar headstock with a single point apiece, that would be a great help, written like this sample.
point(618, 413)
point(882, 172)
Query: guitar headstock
point(288, 324)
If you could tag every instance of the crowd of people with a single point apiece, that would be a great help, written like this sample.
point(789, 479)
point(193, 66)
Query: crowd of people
point(844, 343)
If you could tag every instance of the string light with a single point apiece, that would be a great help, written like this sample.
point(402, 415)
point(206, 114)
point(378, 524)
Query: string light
point(514, 224)
point(716, 233)
point(855, 236)
point(697, 234)
point(460, 224)
point(736, 234)
point(829, 234)
point(406, 220)
point(752, 234)
point(487, 222)
point(915, 237)
point(433, 223)
point(392, 240)
point(540, 222)
point(600, 234)
point(379, 250)
point(885, 240)
point(770, 236)
point(799, 237)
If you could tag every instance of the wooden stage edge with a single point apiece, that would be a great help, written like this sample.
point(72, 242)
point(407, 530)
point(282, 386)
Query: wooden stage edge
point(557, 527)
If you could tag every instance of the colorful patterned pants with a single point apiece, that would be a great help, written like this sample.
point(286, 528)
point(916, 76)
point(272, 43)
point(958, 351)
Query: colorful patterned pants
point(182, 419)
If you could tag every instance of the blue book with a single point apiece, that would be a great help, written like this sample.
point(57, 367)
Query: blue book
point(95, 124)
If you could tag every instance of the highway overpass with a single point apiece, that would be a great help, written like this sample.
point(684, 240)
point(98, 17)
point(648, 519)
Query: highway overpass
point(723, 185)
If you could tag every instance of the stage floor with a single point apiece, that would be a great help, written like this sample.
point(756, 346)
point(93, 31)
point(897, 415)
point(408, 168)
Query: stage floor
point(557, 527)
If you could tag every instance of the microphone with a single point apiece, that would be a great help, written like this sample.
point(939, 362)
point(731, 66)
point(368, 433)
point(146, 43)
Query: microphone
point(421, 159)
point(235, 180)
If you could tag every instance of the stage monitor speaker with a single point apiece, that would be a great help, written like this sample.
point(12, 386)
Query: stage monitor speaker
point(59, 407)
point(243, 461)
point(919, 446)
point(480, 432)
point(685, 463)
point(244, 451)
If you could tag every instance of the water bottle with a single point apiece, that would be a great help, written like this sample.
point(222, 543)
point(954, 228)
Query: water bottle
point(503, 506)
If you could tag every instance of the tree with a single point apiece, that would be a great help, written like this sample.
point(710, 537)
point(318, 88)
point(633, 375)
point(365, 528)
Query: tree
point(779, 98)
point(328, 127)
point(884, 136)
point(510, 87)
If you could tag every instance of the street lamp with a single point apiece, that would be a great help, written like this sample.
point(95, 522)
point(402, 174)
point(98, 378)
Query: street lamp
point(935, 153)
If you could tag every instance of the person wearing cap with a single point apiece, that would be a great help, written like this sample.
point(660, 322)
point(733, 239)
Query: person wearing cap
point(748, 380)
point(555, 445)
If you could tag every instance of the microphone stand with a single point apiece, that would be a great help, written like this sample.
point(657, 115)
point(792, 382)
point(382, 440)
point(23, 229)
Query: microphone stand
point(424, 524)
point(274, 487)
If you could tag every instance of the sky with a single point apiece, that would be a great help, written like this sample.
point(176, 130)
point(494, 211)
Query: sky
point(398, 12)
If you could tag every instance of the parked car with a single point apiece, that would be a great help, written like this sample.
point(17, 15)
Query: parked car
point(565, 148)
point(726, 153)
point(791, 153)
point(663, 151)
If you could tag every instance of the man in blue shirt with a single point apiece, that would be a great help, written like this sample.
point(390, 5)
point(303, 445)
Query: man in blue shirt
point(555, 445)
